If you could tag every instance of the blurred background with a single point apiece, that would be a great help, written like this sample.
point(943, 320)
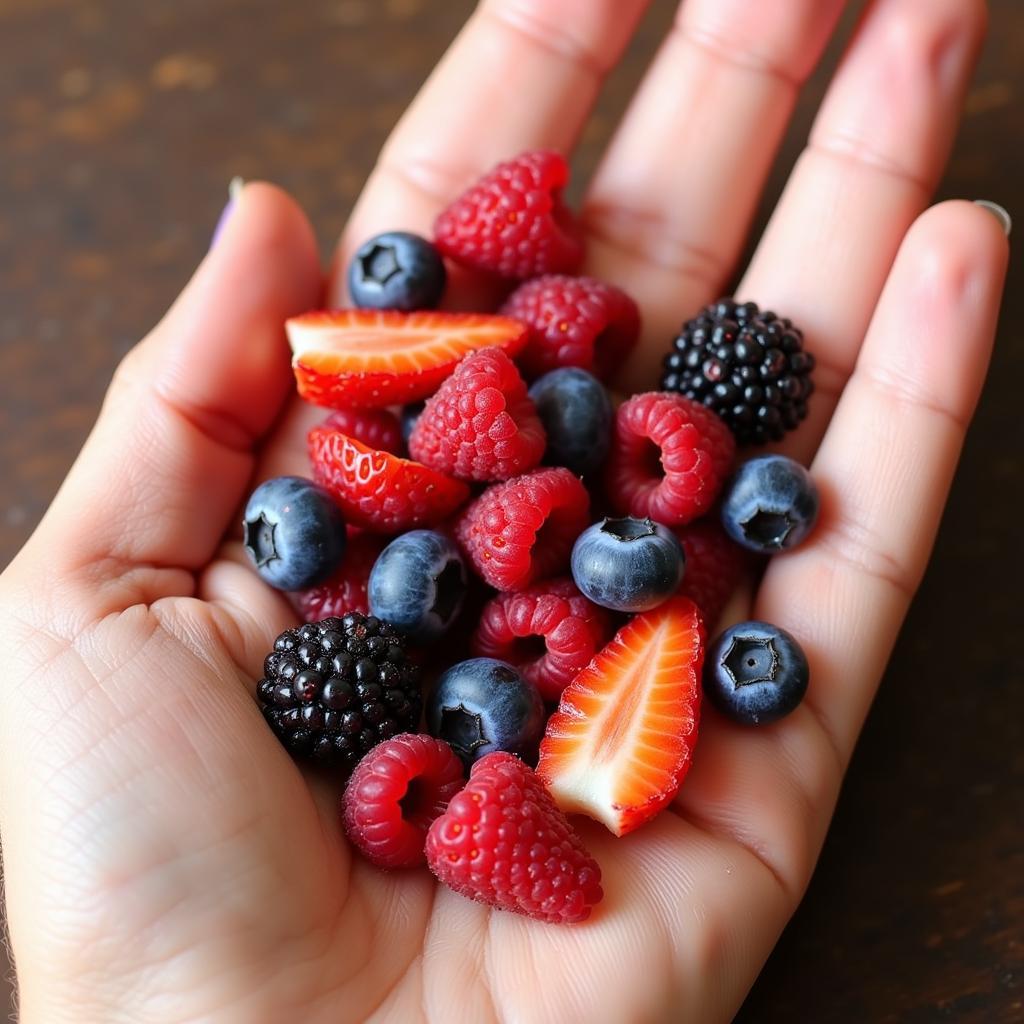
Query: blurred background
point(121, 123)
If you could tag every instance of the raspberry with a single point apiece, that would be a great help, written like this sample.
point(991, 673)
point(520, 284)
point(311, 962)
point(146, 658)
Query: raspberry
point(395, 794)
point(503, 842)
point(376, 428)
point(747, 365)
point(345, 591)
point(714, 565)
point(669, 458)
point(481, 425)
point(334, 689)
point(549, 632)
point(574, 321)
point(512, 221)
point(524, 529)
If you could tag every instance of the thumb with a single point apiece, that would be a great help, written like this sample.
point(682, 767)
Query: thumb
point(171, 453)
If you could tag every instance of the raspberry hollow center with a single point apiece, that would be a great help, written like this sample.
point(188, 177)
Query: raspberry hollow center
point(649, 457)
point(529, 648)
point(416, 801)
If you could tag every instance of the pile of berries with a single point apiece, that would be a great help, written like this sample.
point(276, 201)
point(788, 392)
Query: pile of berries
point(449, 536)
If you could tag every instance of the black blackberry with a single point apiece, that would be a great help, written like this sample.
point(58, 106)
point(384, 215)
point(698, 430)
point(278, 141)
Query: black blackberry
point(747, 365)
point(335, 688)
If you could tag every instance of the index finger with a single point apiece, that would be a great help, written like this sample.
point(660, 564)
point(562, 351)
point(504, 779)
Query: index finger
point(522, 74)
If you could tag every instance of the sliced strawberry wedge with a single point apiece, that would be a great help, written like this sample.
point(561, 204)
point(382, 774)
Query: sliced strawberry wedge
point(621, 742)
point(379, 491)
point(370, 358)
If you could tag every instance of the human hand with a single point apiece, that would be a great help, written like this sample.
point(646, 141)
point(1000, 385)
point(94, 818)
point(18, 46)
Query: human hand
point(164, 859)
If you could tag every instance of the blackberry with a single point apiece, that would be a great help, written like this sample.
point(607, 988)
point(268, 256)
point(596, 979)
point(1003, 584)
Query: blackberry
point(334, 689)
point(749, 366)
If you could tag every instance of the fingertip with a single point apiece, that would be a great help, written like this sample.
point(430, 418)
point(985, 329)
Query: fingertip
point(266, 222)
point(1001, 214)
point(952, 262)
point(960, 227)
point(220, 352)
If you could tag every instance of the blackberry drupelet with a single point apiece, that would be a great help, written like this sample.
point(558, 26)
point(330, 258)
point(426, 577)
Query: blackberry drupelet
point(749, 366)
point(334, 689)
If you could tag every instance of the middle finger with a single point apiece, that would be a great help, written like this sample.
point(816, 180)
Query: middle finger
point(670, 205)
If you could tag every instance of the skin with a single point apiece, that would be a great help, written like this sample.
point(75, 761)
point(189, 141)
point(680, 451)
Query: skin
point(163, 858)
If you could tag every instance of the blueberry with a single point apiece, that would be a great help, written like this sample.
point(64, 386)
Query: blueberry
point(410, 414)
point(396, 270)
point(755, 673)
point(771, 504)
point(294, 532)
point(628, 564)
point(483, 705)
point(418, 584)
point(577, 416)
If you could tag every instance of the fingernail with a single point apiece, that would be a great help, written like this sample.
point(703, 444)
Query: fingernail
point(234, 191)
point(999, 212)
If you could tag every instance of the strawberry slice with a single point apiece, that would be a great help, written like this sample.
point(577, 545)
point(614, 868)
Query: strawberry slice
point(380, 491)
point(621, 742)
point(370, 358)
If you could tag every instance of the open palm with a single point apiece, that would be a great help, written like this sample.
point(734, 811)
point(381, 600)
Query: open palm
point(164, 858)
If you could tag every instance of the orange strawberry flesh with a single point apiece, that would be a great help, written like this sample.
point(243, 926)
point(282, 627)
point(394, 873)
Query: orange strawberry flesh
point(354, 342)
point(612, 730)
point(621, 741)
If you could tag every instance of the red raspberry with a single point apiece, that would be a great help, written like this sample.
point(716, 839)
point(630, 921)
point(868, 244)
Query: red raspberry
point(376, 428)
point(714, 565)
point(550, 631)
point(396, 791)
point(669, 458)
point(503, 842)
point(523, 530)
point(345, 591)
point(513, 221)
point(481, 424)
point(574, 321)
point(379, 491)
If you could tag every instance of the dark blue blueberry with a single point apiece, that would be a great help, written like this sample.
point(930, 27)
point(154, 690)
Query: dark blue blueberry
point(396, 270)
point(410, 414)
point(771, 504)
point(577, 416)
point(483, 705)
point(628, 564)
point(294, 532)
point(755, 673)
point(418, 584)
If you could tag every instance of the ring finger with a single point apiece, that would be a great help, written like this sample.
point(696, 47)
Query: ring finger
point(875, 155)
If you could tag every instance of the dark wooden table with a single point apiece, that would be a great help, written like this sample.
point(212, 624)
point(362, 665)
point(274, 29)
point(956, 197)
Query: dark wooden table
point(121, 123)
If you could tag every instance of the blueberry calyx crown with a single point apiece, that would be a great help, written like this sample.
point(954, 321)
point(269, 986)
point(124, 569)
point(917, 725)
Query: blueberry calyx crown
point(768, 529)
point(750, 660)
point(379, 265)
point(258, 537)
point(450, 587)
point(628, 528)
point(462, 730)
